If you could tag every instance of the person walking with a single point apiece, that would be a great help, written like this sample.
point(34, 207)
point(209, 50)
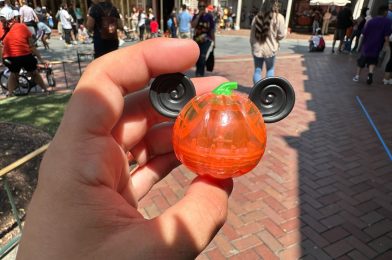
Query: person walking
point(5, 9)
point(326, 20)
point(45, 31)
point(174, 24)
point(357, 29)
point(104, 20)
point(134, 24)
point(344, 21)
point(316, 15)
point(204, 35)
point(154, 28)
point(149, 16)
point(19, 51)
point(66, 23)
point(375, 36)
point(28, 17)
point(184, 20)
point(141, 24)
point(267, 29)
point(387, 80)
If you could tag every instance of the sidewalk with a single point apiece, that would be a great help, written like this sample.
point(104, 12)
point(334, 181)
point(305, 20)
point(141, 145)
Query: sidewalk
point(323, 189)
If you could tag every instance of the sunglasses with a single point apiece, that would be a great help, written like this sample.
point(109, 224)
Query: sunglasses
point(201, 6)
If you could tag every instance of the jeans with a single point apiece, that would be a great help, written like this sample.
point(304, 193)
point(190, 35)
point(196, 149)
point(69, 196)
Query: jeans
point(201, 62)
point(269, 62)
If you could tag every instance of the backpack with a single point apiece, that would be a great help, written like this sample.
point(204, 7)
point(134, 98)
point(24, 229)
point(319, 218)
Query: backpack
point(321, 45)
point(50, 22)
point(108, 30)
point(169, 22)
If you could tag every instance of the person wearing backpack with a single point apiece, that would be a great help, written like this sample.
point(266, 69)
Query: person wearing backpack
point(104, 20)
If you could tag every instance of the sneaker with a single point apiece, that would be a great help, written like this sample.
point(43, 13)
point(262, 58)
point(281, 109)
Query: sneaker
point(356, 78)
point(387, 81)
point(369, 80)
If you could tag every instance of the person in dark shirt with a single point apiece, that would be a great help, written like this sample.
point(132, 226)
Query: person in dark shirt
point(358, 27)
point(204, 35)
point(344, 21)
point(94, 24)
point(375, 37)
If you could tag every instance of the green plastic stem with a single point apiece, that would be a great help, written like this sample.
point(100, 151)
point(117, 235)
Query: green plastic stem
point(225, 88)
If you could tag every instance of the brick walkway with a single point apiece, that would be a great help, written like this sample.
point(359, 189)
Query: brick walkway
point(323, 189)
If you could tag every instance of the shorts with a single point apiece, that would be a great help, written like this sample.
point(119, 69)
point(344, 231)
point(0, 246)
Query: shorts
point(14, 64)
point(339, 34)
point(185, 35)
point(363, 61)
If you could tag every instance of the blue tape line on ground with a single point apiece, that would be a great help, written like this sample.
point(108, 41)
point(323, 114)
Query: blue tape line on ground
point(375, 128)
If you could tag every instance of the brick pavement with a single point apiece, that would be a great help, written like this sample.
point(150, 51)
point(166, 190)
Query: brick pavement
point(323, 188)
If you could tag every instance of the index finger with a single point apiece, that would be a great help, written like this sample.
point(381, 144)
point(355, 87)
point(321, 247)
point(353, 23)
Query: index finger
point(98, 102)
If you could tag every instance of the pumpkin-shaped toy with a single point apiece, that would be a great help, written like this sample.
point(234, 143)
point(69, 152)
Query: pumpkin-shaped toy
point(220, 134)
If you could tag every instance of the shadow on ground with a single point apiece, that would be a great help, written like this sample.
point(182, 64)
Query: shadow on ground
point(344, 172)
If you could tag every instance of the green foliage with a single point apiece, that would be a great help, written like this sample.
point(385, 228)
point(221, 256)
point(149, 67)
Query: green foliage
point(41, 111)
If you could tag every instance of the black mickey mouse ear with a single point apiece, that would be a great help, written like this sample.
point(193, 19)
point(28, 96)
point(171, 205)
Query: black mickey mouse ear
point(170, 92)
point(274, 97)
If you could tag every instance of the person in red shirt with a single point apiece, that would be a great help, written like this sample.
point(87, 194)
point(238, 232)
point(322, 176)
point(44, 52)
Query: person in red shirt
point(18, 50)
point(154, 28)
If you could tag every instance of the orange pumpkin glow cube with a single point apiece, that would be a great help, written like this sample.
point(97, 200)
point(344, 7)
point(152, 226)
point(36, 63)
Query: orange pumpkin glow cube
point(220, 134)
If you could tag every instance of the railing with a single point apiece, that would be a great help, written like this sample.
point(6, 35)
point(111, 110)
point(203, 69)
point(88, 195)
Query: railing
point(3, 178)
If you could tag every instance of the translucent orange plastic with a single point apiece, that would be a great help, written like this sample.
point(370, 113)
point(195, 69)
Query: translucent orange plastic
point(222, 136)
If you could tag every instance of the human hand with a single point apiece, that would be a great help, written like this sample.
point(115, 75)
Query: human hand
point(45, 62)
point(85, 203)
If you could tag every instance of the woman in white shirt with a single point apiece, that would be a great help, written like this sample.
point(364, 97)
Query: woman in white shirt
point(142, 24)
point(268, 28)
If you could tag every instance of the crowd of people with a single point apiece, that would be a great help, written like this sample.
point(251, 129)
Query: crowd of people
point(370, 37)
point(106, 28)
point(376, 37)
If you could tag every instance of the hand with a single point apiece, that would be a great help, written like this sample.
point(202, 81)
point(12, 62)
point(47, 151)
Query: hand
point(43, 61)
point(85, 204)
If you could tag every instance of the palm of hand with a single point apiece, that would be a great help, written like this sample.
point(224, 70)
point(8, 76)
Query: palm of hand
point(85, 204)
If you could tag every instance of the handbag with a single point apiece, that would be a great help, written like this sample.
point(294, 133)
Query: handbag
point(210, 62)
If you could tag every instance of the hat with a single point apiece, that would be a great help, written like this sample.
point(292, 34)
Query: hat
point(210, 8)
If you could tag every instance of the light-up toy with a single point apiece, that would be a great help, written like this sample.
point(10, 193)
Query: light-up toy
point(221, 134)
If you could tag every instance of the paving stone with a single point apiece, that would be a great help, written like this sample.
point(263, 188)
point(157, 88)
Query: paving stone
point(381, 244)
point(335, 234)
point(323, 188)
